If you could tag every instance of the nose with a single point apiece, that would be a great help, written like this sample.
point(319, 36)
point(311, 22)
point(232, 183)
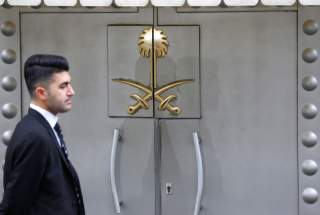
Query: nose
point(71, 91)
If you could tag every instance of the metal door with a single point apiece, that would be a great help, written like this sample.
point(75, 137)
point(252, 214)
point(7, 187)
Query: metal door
point(248, 127)
point(243, 103)
point(89, 132)
point(180, 166)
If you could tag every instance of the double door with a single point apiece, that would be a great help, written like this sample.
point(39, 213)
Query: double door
point(240, 101)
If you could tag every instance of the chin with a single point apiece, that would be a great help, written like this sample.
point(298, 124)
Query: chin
point(64, 110)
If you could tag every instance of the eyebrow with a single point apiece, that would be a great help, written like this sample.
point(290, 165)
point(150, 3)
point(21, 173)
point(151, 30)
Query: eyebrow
point(65, 83)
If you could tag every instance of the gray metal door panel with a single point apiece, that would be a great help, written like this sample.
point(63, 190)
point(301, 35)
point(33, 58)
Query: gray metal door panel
point(88, 129)
point(124, 61)
point(136, 166)
point(181, 62)
point(249, 105)
point(90, 148)
point(178, 166)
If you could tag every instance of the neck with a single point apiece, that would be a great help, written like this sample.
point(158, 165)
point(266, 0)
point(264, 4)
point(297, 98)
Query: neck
point(42, 105)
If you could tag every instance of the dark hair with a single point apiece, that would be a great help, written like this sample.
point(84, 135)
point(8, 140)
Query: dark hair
point(39, 68)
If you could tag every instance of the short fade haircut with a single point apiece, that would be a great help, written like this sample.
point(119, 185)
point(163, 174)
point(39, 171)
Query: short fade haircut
point(39, 68)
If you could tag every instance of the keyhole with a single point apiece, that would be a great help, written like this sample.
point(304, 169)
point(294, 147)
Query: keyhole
point(169, 188)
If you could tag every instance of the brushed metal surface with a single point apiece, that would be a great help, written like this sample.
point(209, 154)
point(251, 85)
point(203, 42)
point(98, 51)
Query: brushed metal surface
point(181, 62)
point(248, 121)
point(11, 40)
point(178, 166)
point(88, 131)
point(308, 40)
point(124, 61)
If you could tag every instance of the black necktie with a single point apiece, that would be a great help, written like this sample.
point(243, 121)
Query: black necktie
point(63, 147)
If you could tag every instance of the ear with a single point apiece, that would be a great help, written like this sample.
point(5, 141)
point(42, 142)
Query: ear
point(41, 93)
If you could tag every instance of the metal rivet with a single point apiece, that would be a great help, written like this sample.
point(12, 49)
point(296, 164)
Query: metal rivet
point(309, 139)
point(9, 83)
point(310, 195)
point(309, 111)
point(8, 28)
point(9, 110)
point(309, 83)
point(6, 137)
point(310, 27)
point(309, 167)
point(8, 56)
point(310, 55)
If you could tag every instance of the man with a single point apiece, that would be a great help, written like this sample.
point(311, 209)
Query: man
point(39, 178)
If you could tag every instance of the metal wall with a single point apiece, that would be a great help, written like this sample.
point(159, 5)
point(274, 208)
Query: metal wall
point(10, 91)
point(253, 103)
point(308, 102)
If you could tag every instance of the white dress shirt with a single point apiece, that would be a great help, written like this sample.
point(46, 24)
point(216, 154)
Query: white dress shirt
point(51, 119)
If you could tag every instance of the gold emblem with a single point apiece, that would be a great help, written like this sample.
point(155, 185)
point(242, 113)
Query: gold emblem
point(160, 44)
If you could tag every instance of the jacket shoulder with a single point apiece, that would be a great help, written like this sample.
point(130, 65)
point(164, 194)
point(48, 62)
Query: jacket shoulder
point(28, 129)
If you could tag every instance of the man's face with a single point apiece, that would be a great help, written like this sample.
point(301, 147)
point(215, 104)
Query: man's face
point(59, 93)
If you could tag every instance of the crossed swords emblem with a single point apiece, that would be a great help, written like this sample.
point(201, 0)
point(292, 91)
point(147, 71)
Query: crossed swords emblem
point(160, 45)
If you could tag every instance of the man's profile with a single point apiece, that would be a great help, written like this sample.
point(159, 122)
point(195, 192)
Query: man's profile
point(39, 178)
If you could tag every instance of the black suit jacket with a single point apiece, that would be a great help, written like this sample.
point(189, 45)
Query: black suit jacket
point(38, 179)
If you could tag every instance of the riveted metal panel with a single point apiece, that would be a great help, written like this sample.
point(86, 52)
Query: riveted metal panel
point(10, 89)
point(249, 110)
point(308, 104)
point(81, 37)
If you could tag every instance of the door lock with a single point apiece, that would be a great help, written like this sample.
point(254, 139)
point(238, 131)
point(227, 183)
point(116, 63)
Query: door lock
point(168, 188)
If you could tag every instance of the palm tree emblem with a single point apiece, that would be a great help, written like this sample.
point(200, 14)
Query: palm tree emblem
point(153, 44)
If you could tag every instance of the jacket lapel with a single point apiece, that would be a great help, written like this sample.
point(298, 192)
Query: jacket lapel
point(44, 122)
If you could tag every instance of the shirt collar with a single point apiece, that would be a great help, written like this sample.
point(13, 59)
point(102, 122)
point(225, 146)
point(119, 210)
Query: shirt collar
point(51, 119)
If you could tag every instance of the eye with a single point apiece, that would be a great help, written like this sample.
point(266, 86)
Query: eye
point(64, 85)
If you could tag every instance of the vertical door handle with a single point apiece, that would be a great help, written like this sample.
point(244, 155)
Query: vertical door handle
point(196, 143)
point(112, 170)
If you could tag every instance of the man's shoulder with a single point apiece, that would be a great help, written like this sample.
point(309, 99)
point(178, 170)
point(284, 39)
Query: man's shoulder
point(29, 132)
point(28, 121)
point(30, 125)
